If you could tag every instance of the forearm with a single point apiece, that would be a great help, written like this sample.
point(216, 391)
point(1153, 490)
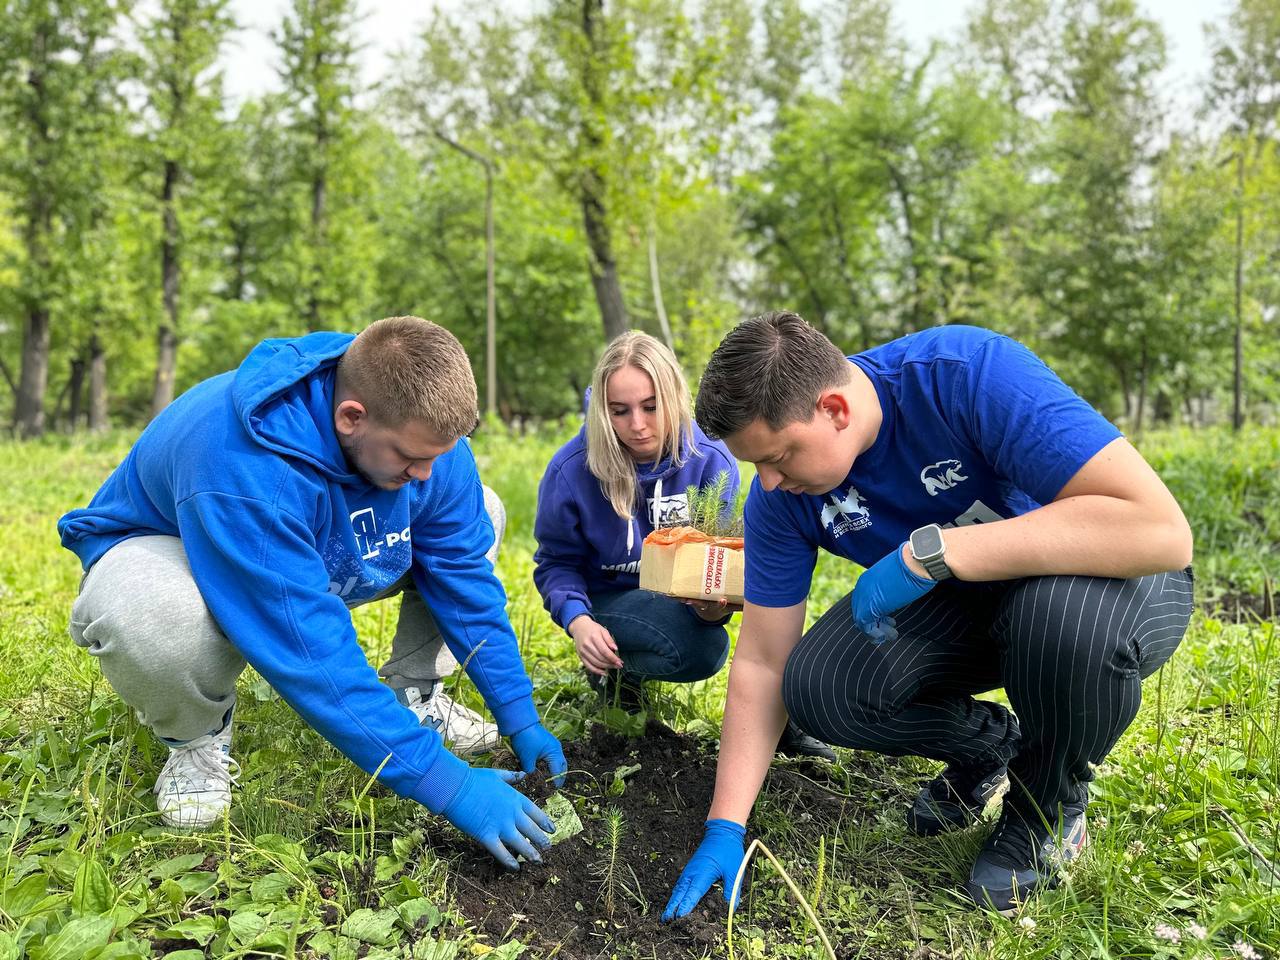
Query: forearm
point(1088, 535)
point(753, 720)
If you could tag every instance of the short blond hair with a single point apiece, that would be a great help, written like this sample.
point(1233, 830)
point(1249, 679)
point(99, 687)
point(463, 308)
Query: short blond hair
point(606, 459)
point(408, 369)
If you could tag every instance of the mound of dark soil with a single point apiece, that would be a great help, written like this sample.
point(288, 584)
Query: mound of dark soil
point(560, 906)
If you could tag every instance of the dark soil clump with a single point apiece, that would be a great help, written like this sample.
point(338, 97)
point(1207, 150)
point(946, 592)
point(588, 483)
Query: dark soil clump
point(562, 905)
point(1243, 607)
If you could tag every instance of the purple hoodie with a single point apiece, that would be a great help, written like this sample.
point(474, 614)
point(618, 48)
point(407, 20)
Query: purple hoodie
point(584, 547)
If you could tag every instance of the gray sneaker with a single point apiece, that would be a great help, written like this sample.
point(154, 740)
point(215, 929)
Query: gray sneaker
point(1023, 855)
point(464, 730)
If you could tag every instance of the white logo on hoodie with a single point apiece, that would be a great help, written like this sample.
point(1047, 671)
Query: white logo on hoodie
point(669, 511)
point(365, 527)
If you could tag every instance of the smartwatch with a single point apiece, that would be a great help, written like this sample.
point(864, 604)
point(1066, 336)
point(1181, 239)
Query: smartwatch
point(930, 551)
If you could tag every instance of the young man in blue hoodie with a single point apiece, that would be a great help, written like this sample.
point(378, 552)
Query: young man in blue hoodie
point(1011, 538)
point(325, 472)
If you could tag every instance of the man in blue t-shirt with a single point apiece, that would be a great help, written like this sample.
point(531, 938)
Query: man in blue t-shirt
point(1012, 538)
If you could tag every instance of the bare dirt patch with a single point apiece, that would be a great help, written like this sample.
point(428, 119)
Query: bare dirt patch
point(563, 905)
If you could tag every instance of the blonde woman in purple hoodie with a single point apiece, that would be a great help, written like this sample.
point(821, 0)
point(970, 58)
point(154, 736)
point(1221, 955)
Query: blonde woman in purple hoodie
point(626, 473)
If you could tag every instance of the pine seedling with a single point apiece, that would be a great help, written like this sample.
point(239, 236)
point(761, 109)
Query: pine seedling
point(710, 510)
point(608, 869)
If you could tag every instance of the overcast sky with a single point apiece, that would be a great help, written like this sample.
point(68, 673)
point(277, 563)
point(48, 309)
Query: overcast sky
point(388, 25)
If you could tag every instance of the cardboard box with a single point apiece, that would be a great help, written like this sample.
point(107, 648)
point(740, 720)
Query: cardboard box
point(684, 562)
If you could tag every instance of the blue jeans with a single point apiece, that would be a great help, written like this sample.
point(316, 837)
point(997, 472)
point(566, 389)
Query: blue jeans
point(660, 638)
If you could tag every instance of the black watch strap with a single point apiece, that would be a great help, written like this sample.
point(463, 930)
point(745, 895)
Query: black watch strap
point(938, 569)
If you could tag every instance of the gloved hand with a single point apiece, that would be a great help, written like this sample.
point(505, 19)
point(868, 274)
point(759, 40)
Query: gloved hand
point(887, 585)
point(718, 857)
point(536, 743)
point(500, 818)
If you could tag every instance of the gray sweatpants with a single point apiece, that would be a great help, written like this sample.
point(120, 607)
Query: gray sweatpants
point(140, 613)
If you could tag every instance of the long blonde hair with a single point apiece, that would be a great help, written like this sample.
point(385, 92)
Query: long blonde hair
point(607, 458)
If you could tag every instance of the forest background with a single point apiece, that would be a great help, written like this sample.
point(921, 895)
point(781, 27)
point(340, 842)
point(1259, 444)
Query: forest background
point(563, 171)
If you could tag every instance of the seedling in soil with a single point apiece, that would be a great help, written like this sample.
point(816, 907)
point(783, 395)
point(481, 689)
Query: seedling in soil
point(618, 785)
point(609, 866)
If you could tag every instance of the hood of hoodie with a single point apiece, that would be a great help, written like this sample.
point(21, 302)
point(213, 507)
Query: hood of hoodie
point(286, 409)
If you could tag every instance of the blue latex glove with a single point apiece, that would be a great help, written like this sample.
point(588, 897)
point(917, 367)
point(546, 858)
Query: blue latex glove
point(500, 818)
point(718, 857)
point(887, 585)
point(536, 743)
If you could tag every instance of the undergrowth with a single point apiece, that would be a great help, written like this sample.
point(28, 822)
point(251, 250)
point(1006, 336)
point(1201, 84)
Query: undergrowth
point(317, 862)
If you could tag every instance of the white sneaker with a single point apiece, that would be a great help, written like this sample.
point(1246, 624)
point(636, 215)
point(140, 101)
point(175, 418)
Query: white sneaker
point(461, 728)
point(194, 788)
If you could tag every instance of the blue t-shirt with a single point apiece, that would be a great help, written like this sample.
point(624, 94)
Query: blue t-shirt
point(976, 429)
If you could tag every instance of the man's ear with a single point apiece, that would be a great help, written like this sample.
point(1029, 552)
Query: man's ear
point(834, 405)
point(349, 416)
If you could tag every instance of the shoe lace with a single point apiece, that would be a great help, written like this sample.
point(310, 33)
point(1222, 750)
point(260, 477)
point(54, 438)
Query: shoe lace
point(445, 708)
point(961, 780)
point(1013, 841)
point(203, 766)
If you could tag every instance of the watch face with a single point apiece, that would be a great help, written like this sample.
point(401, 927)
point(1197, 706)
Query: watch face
point(926, 542)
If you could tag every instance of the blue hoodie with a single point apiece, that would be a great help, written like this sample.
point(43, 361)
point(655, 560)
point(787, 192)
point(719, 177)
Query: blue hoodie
point(584, 546)
point(281, 534)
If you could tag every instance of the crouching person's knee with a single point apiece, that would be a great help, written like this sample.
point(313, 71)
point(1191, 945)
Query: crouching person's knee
point(705, 658)
point(819, 703)
point(140, 613)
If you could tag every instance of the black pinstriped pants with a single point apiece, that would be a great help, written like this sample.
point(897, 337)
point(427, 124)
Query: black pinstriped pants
point(1070, 652)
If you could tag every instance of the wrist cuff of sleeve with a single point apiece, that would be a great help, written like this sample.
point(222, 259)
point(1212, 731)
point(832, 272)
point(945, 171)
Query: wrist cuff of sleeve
point(441, 782)
point(571, 610)
point(515, 716)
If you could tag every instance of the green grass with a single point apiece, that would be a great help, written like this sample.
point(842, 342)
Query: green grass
point(1186, 815)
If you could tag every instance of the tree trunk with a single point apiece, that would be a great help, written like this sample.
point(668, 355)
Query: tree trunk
point(29, 410)
point(603, 266)
point(592, 188)
point(913, 258)
point(491, 297)
point(8, 377)
point(59, 403)
point(659, 307)
point(1142, 390)
point(75, 390)
point(97, 385)
point(319, 191)
point(842, 257)
point(490, 300)
point(1237, 385)
point(239, 260)
point(171, 279)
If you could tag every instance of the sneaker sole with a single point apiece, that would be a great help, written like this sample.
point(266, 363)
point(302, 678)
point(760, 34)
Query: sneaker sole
point(473, 747)
point(200, 823)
